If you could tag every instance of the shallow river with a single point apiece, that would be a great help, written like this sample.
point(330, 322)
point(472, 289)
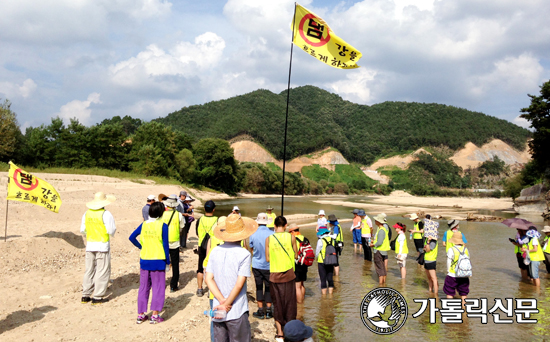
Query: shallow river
point(495, 275)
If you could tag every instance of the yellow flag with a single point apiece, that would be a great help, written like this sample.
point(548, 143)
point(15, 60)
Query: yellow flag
point(314, 36)
point(24, 187)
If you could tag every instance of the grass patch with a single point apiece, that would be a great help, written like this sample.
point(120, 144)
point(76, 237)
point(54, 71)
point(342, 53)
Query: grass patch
point(351, 174)
point(273, 167)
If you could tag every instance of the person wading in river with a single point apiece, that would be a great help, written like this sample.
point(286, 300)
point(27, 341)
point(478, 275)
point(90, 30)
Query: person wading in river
point(300, 270)
point(366, 234)
point(417, 233)
point(546, 247)
point(356, 230)
point(430, 262)
point(336, 230)
point(281, 252)
point(381, 246)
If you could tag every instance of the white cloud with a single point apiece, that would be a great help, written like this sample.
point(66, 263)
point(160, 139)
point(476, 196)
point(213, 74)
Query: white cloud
point(355, 87)
point(12, 90)
point(153, 109)
point(156, 67)
point(79, 109)
point(522, 122)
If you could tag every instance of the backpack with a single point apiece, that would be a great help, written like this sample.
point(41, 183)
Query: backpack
point(306, 256)
point(463, 267)
point(331, 258)
point(204, 244)
point(392, 244)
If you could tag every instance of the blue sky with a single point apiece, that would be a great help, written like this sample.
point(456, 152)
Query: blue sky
point(93, 59)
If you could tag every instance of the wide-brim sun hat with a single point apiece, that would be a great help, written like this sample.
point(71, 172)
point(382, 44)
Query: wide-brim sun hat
point(361, 212)
point(321, 212)
point(162, 197)
point(546, 229)
point(456, 239)
point(332, 217)
point(296, 331)
point(453, 223)
point(100, 200)
point(380, 218)
point(414, 217)
point(171, 201)
point(292, 227)
point(269, 208)
point(263, 219)
point(235, 208)
point(323, 231)
point(235, 228)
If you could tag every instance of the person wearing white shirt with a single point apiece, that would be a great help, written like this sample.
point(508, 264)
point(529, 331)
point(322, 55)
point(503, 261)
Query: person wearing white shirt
point(401, 248)
point(98, 225)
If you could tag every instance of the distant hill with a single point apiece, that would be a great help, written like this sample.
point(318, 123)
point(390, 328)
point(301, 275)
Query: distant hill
point(319, 119)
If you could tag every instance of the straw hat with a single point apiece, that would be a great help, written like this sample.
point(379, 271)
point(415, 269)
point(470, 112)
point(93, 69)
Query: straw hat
point(100, 201)
point(546, 229)
point(269, 208)
point(453, 223)
point(162, 197)
point(380, 218)
point(292, 227)
point(235, 228)
point(414, 217)
point(171, 201)
point(263, 219)
point(456, 239)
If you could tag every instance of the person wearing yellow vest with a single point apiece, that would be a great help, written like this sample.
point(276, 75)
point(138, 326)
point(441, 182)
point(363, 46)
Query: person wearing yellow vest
point(272, 216)
point(326, 272)
point(204, 227)
point(300, 270)
point(334, 226)
point(401, 248)
point(518, 242)
point(430, 263)
point(366, 234)
point(381, 246)
point(154, 261)
point(175, 222)
point(281, 253)
point(98, 225)
point(546, 247)
point(536, 255)
point(226, 273)
point(453, 228)
point(453, 284)
point(417, 233)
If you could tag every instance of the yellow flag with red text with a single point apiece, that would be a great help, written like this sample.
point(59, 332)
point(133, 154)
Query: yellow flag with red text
point(24, 187)
point(313, 35)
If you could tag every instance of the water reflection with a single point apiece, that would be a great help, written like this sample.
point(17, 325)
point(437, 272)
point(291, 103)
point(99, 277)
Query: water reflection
point(495, 275)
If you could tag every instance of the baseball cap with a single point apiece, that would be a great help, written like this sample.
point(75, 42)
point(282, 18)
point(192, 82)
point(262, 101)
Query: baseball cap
point(151, 197)
point(210, 204)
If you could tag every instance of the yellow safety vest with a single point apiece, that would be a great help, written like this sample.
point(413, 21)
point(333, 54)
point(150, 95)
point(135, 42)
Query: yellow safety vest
point(281, 260)
point(366, 229)
point(206, 223)
point(321, 256)
point(95, 228)
point(386, 243)
point(417, 235)
point(448, 244)
point(538, 255)
point(545, 241)
point(174, 227)
point(398, 246)
point(272, 216)
point(340, 236)
point(151, 240)
point(462, 249)
point(432, 255)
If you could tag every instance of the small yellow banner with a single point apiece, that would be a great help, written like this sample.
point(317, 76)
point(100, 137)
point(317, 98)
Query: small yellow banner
point(313, 35)
point(24, 187)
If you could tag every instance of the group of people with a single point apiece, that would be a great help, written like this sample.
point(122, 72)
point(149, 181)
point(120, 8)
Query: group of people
point(233, 248)
point(530, 251)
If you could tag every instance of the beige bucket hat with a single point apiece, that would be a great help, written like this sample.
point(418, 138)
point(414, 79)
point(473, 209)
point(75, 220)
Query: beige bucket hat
point(235, 228)
point(171, 201)
point(380, 218)
point(100, 201)
point(414, 217)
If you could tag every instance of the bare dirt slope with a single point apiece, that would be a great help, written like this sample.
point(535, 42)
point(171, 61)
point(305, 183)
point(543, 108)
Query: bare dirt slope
point(473, 156)
point(399, 161)
point(42, 264)
point(249, 151)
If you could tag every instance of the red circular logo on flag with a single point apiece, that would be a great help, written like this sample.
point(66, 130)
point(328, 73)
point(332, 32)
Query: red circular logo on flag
point(27, 183)
point(313, 31)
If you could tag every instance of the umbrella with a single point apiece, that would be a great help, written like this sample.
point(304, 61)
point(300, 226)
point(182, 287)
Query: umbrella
point(518, 223)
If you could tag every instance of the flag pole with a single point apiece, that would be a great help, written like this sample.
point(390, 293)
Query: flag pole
point(7, 203)
point(286, 119)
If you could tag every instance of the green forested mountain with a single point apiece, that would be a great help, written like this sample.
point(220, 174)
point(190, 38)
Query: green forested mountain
point(362, 133)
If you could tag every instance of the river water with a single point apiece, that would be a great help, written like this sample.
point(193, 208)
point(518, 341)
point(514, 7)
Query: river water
point(495, 275)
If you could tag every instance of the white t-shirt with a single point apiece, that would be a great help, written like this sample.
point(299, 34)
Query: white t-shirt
point(321, 222)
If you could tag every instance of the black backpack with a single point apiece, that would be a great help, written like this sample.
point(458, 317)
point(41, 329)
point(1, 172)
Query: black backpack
point(331, 257)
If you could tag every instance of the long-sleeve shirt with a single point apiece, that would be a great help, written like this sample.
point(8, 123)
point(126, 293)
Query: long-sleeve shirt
point(145, 212)
point(319, 246)
point(153, 265)
point(380, 236)
point(109, 222)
